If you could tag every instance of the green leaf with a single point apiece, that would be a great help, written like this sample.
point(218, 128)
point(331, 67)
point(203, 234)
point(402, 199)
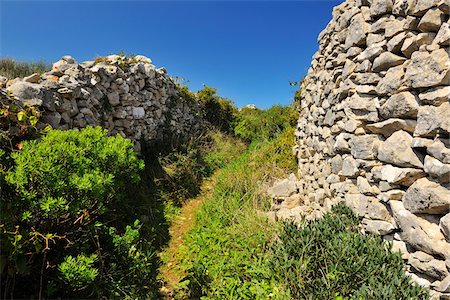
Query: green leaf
point(33, 120)
point(21, 115)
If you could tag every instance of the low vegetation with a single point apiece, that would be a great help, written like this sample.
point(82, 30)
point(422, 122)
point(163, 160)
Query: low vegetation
point(235, 252)
point(10, 68)
point(255, 123)
point(330, 259)
point(226, 255)
point(83, 216)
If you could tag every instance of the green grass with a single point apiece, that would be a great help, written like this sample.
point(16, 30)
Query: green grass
point(11, 68)
point(235, 252)
point(227, 254)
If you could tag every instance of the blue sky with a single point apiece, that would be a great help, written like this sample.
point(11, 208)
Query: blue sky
point(248, 50)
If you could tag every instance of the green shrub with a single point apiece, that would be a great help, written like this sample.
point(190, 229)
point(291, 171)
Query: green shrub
point(218, 111)
point(79, 271)
point(84, 168)
point(255, 124)
point(329, 258)
point(70, 196)
point(11, 68)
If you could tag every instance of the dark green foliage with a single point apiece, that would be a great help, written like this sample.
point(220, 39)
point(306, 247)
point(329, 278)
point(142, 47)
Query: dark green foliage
point(218, 111)
point(11, 68)
point(255, 124)
point(71, 204)
point(329, 258)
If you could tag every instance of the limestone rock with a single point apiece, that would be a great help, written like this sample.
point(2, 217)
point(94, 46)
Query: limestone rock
point(381, 7)
point(444, 286)
point(443, 36)
point(33, 78)
point(425, 196)
point(400, 7)
point(360, 107)
point(364, 146)
point(388, 127)
point(395, 44)
point(436, 96)
point(400, 246)
point(341, 145)
point(432, 20)
point(421, 143)
point(428, 70)
point(431, 119)
point(402, 176)
point(387, 60)
point(444, 224)
point(426, 264)
point(378, 227)
point(357, 31)
point(370, 53)
point(25, 91)
point(377, 211)
point(283, 188)
point(366, 78)
point(52, 118)
point(402, 105)
point(392, 81)
point(438, 150)
point(365, 188)
point(437, 169)
point(419, 233)
point(114, 98)
point(349, 167)
point(397, 150)
point(138, 112)
point(358, 203)
point(336, 164)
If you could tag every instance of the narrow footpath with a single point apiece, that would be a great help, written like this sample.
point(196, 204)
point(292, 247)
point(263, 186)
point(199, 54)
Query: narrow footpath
point(170, 271)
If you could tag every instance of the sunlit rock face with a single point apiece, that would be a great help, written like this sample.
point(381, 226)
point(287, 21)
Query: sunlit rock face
point(373, 128)
point(129, 96)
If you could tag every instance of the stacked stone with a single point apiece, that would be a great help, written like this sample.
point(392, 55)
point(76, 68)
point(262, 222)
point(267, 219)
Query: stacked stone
point(129, 96)
point(374, 128)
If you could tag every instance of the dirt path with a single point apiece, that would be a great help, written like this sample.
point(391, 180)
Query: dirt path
point(170, 271)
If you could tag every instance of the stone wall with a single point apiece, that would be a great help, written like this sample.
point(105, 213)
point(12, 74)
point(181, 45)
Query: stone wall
point(129, 96)
point(374, 126)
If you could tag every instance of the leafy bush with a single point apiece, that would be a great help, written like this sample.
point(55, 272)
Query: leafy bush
point(79, 271)
point(84, 168)
point(70, 197)
point(11, 68)
point(218, 111)
point(255, 124)
point(330, 258)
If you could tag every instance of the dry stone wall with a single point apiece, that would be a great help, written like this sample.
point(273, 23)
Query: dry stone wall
point(374, 127)
point(129, 96)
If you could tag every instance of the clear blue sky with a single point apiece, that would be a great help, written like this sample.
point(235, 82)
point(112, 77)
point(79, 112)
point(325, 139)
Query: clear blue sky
point(248, 50)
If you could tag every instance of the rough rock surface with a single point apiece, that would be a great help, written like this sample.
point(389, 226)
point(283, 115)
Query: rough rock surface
point(129, 96)
point(381, 91)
